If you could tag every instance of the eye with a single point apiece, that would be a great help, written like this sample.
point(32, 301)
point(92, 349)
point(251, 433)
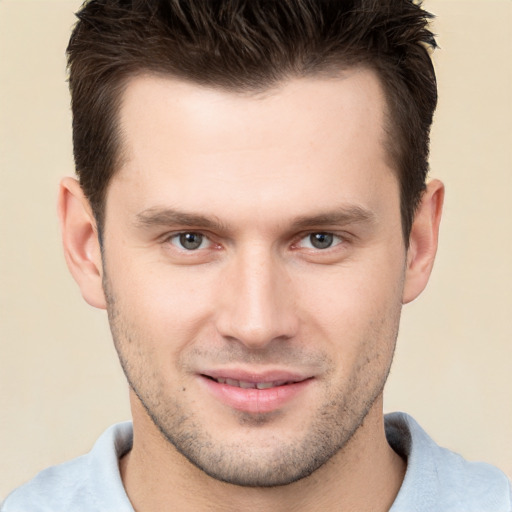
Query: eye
point(189, 241)
point(320, 240)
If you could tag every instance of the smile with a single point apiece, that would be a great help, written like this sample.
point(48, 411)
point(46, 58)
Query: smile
point(251, 385)
point(256, 393)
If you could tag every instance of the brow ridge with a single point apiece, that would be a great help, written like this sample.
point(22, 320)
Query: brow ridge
point(341, 216)
point(156, 216)
point(170, 216)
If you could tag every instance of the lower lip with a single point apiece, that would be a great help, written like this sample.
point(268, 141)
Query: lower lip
point(255, 400)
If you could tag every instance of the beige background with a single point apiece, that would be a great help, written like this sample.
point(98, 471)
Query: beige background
point(60, 384)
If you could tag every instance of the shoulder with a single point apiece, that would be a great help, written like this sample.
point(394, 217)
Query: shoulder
point(88, 483)
point(439, 479)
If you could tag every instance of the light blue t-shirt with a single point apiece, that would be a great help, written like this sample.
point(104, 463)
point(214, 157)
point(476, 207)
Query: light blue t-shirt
point(436, 480)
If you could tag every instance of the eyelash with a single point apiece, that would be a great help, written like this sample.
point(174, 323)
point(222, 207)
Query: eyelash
point(180, 239)
point(320, 238)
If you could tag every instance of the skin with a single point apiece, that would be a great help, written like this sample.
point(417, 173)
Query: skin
point(254, 177)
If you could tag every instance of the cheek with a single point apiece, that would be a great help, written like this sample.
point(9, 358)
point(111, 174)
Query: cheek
point(163, 307)
point(354, 305)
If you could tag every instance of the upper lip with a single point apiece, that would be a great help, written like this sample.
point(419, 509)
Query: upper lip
point(255, 376)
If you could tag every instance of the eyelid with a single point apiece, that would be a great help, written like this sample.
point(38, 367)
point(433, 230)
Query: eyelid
point(168, 237)
point(342, 237)
point(179, 243)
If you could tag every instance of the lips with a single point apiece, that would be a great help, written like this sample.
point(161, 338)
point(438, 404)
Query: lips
point(252, 385)
point(253, 392)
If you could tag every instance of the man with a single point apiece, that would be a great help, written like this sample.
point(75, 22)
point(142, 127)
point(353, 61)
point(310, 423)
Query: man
point(252, 213)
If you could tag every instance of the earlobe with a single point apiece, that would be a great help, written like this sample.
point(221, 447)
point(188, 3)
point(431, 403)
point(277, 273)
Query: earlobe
point(423, 241)
point(80, 241)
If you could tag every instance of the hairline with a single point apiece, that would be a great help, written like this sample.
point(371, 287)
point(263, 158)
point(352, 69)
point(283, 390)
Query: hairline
point(119, 86)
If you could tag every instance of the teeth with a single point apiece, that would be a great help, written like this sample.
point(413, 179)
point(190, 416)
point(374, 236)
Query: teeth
point(250, 385)
point(247, 385)
point(264, 385)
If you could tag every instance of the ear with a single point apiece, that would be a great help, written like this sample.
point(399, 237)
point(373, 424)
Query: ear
point(80, 241)
point(423, 241)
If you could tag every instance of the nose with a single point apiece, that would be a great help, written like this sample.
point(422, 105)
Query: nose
point(256, 300)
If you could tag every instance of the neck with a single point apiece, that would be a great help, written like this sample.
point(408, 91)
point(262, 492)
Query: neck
point(365, 475)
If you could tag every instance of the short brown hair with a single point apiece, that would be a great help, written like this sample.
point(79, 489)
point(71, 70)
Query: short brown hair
point(244, 45)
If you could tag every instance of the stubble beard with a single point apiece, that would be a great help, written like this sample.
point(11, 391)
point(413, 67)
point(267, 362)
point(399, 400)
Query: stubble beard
point(282, 462)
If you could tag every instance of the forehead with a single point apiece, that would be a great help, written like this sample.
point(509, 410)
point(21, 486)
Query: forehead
point(310, 105)
point(184, 141)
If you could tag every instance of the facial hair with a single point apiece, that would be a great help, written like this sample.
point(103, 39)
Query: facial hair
point(275, 461)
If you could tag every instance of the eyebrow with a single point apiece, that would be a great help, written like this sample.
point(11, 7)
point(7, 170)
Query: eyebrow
point(155, 217)
point(339, 217)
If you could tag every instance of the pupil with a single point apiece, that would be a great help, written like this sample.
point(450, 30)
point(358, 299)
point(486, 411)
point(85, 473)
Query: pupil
point(321, 240)
point(191, 240)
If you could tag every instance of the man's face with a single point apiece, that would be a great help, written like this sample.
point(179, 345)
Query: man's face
point(254, 269)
